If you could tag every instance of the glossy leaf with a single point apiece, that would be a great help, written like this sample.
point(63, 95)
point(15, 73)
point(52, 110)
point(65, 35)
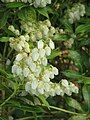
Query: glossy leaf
point(43, 11)
point(15, 4)
point(82, 28)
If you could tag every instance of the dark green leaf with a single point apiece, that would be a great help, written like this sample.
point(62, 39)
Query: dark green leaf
point(78, 117)
point(43, 11)
point(73, 103)
point(75, 56)
point(86, 94)
point(72, 74)
point(76, 75)
point(4, 18)
point(85, 42)
point(82, 28)
point(61, 38)
point(15, 4)
point(27, 14)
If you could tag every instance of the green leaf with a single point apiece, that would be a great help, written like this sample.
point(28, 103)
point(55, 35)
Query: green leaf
point(79, 117)
point(54, 54)
point(3, 21)
point(75, 56)
point(82, 28)
point(85, 42)
point(27, 14)
point(73, 103)
point(4, 39)
point(61, 37)
point(43, 11)
point(86, 80)
point(44, 101)
point(2, 118)
point(67, 25)
point(86, 94)
point(3, 73)
point(72, 74)
point(15, 4)
point(76, 75)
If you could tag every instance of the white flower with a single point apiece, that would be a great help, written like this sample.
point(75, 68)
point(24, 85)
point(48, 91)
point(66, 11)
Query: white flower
point(37, 71)
point(41, 53)
point(51, 44)
point(14, 69)
point(52, 30)
point(64, 82)
point(17, 32)
point(34, 84)
point(35, 54)
point(76, 15)
point(19, 71)
point(27, 86)
point(11, 27)
point(52, 91)
point(45, 78)
point(47, 50)
point(51, 75)
point(8, 62)
point(27, 37)
point(31, 77)
point(58, 89)
point(40, 44)
point(33, 67)
point(48, 1)
point(73, 88)
point(26, 72)
point(48, 23)
point(18, 47)
point(39, 35)
point(55, 70)
point(40, 87)
point(45, 30)
point(22, 37)
point(47, 86)
point(19, 57)
point(27, 49)
point(37, 3)
point(67, 91)
point(21, 43)
point(44, 61)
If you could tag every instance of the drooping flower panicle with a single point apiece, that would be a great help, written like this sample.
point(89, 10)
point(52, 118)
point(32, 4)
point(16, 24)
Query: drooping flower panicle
point(31, 63)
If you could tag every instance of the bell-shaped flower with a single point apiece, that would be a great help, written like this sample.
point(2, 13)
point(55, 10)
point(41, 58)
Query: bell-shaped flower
point(40, 44)
point(47, 50)
point(51, 44)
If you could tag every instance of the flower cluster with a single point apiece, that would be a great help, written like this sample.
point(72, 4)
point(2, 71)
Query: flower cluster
point(31, 63)
point(36, 3)
point(76, 12)
point(41, 3)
